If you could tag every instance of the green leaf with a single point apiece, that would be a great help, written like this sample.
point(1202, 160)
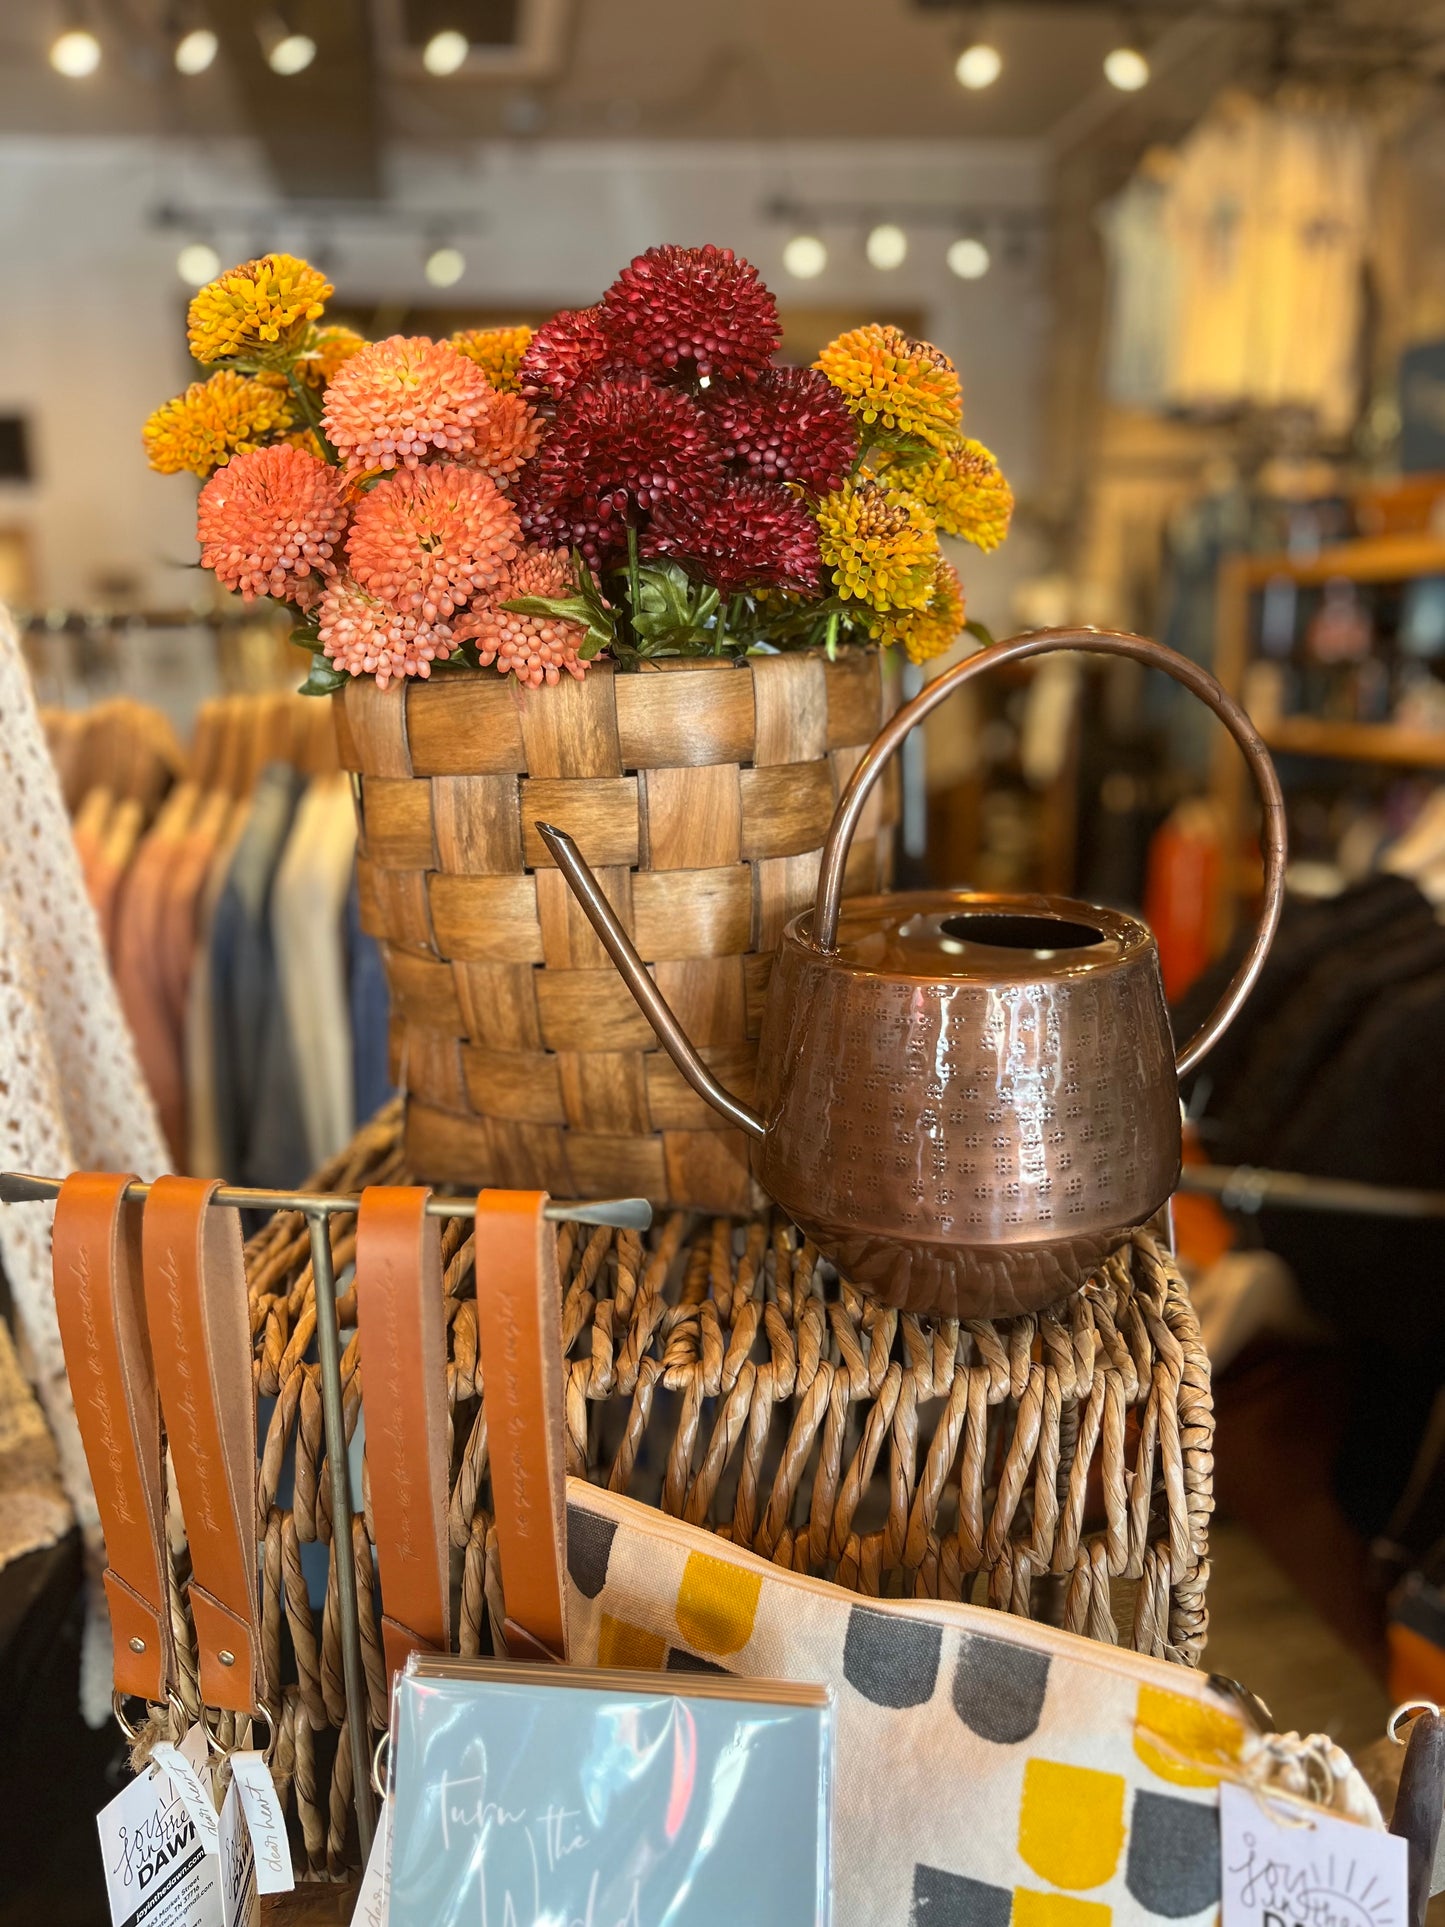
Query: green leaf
point(325, 678)
point(978, 630)
point(304, 637)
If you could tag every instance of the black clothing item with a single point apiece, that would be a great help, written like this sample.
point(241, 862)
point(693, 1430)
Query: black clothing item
point(1314, 1024)
point(1308, 931)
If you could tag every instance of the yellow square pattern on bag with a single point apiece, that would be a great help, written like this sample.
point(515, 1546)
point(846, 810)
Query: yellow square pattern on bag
point(990, 1772)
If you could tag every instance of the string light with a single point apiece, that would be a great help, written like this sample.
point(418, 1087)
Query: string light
point(196, 50)
point(1127, 69)
point(886, 246)
point(805, 257)
point(968, 259)
point(292, 54)
point(445, 267)
point(75, 53)
point(197, 263)
point(978, 66)
point(445, 52)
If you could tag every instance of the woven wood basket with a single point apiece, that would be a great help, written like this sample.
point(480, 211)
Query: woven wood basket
point(1057, 1466)
point(701, 794)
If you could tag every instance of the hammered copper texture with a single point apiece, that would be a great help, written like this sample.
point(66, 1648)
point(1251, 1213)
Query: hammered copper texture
point(971, 1136)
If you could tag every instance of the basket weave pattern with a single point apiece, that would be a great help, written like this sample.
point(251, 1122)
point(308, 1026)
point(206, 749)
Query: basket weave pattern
point(701, 794)
point(1057, 1465)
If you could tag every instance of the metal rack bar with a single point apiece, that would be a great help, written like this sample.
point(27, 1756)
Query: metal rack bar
point(1245, 1187)
point(623, 1214)
point(319, 1207)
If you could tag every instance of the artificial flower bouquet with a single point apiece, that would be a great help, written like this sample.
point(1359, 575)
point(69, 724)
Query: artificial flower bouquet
point(636, 479)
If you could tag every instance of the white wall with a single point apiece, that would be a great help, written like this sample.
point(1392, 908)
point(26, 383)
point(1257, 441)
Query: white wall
point(91, 317)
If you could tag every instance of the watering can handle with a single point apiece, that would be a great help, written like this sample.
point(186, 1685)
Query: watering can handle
point(1107, 642)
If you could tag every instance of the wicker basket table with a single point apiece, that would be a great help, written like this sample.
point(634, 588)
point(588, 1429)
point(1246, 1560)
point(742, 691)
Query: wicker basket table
point(1057, 1465)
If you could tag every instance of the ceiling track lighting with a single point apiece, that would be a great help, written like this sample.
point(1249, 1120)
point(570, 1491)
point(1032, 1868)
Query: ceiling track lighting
point(197, 263)
point(195, 51)
point(445, 53)
point(978, 66)
point(886, 246)
point(968, 258)
point(1126, 66)
point(805, 256)
point(287, 52)
point(444, 266)
point(75, 51)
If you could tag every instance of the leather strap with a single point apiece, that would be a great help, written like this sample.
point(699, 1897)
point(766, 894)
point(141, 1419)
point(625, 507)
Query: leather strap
point(195, 1290)
point(402, 1319)
point(519, 1339)
point(96, 1258)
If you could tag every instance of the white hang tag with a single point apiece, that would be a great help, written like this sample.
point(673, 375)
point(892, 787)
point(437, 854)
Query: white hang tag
point(261, 1805)
point(240, 1903)
point(157, 1870)
point(192, 1789)
point(1286, 1864)
point(373, 1903)
point(195, 1748)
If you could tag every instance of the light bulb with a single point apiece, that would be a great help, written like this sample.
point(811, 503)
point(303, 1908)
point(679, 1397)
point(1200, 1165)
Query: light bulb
point(1127, 69)
point(968, 259)
point(445, 267)
point(293, 53)
point(978, 66)
point(197, 263)
point(805, 257)
point(196, 50)
point(75, 53)
point(886, 246)
point(445, 52)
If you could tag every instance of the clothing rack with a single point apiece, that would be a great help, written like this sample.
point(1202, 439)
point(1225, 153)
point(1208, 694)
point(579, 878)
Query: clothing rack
point(1245, 1187)
point(318, 1208)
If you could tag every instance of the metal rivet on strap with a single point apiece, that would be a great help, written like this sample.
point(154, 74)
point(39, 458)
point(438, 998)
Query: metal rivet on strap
point(226, 1659)
point(137, 1645)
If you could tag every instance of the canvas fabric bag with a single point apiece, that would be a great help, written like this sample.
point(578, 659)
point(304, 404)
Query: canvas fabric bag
point(990, 1771)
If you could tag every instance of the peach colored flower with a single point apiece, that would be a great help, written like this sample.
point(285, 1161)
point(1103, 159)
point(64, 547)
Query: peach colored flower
point(270, 520)
point(427, 540)
point(366, 636)
point(536, 649)
point(508, 434)
point(397, 402)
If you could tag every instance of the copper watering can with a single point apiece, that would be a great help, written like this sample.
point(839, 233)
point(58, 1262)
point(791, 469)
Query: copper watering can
point(964, 1099)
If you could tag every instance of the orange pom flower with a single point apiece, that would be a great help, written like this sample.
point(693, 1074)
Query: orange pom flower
point(497, 352)
point(366, 636)
point(398, 401)
point(508, 434)
point(212, 421)
point(536, 649)
point(427, 540)
point(270, 520)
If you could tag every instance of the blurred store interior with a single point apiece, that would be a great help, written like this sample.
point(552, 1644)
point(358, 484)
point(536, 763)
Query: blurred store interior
point(1189, 260)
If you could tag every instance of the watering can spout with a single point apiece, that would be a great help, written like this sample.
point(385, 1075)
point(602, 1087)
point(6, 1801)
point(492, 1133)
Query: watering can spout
point(633, 971)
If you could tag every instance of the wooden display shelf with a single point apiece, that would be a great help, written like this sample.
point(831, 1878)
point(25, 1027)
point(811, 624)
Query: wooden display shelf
point(1385, 558)
point(1356, 742)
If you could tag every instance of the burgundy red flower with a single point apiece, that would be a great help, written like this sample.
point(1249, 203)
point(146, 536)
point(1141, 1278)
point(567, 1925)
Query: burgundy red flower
point(750, 535)
point(789, 425)
point(693, 312)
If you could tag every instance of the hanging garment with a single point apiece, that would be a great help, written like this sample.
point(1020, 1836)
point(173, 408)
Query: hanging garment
point(370, 1011)
point(1143, 323)
point(140, 971)
point(258, 1109)
point(308, 928)
point(203, 1129)
point(74, 1094)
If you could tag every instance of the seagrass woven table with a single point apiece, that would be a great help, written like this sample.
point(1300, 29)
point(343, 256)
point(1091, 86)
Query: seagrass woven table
point(1057, 1465)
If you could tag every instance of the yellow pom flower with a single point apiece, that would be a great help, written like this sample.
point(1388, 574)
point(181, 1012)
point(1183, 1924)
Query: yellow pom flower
point(928, 632)
point(497, 352)
point(881, 548)
point(202, 429)
point(258, 311)
point(890, 381)
point(328, 350)
point(962, 487)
